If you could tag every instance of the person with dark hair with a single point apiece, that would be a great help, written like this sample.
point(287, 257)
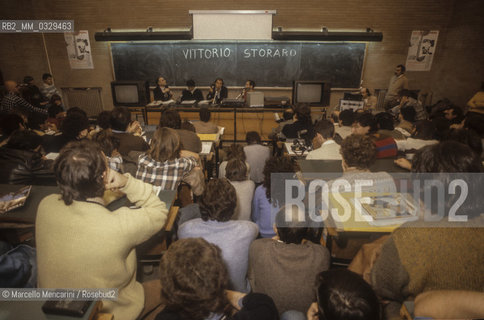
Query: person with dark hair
point(329, 149)
point(191, 93)
point(248, 87)
point(217, 207)
point(302, 128)
point(398, 82)
point(204, 126)
point(439, 254)
point(453, 114)
point(166, 164)
point(21, 161)
point(56, 114)
point(170, 118)
point(476, 103)
point(408, 101)
point(110, 145)
point(406, 120)
point(346, 118)
point(31, 93)
point(342, 295)
point(287, 118)
point(48, 88)
point(387, 127)
point(256, 155)
point(264, 208)
point(238, 175)
point(217, 91)
point(80, 243)
point(194, 283)
point(74, 127)
point(104, 120)
point(365, 124)
point(127, 131)
point(162, 92)
point(76, 110)
point(359, 154)
point(284, 267)
point(235, 151)
point(11, 102)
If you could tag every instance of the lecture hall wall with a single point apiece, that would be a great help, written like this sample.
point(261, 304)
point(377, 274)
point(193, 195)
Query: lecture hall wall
point(457, 70)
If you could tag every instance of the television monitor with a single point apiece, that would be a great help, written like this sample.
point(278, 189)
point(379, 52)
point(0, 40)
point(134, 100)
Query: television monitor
point(315, 93)
point(130, 93)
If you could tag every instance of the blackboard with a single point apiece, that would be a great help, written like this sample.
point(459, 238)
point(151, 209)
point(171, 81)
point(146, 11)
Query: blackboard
point(272, 64)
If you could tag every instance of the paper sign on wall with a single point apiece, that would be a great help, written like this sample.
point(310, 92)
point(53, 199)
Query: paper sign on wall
point(421, 50)
point(79, 50)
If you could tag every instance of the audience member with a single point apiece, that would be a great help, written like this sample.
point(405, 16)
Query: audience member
point(346, 118)
point(48, 88)
point(31, 93)
point(359, 154)
point(476, 103)
point(439, 255)
point(127, 132)
point(194, 283)
point(329, 149)
point(191, 93)
point(204, 126)
point(217, 207)
point(189, 140)
point(21, 161)
point(74, 127)
point(341, 295)
point(264, 208)
point(11, 102)
point(407, 119)
point(103, 241)
point(287, 118)
point(423, 135)
point(256, 156)
point(110, 147)
point(235, 151)
point(56, 115)
point(365, 124)
point(238, 175)
point(302, 128)
point(165, 164)
point(386, 126)
point(285, 267)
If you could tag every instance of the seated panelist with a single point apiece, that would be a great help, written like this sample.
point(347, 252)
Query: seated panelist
point(191, 93)
point(217, 91)
point(162, 92)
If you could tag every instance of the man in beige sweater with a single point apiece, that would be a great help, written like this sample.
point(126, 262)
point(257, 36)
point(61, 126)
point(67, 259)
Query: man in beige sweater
point(80, 243)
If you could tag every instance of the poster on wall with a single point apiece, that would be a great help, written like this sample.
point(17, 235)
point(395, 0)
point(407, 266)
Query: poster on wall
point(79, 50)
point(421, 50)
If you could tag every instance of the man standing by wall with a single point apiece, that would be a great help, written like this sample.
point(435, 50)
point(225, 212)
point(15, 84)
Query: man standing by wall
point(398, 82)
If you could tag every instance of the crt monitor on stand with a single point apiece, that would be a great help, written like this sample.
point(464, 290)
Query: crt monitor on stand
point(314, 93)
point(130, 93)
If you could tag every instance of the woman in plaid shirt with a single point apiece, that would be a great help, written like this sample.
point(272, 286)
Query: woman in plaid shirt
point(165, 164)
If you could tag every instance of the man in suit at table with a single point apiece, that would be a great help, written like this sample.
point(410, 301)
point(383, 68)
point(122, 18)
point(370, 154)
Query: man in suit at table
point(329, 149)
point(217, 91)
